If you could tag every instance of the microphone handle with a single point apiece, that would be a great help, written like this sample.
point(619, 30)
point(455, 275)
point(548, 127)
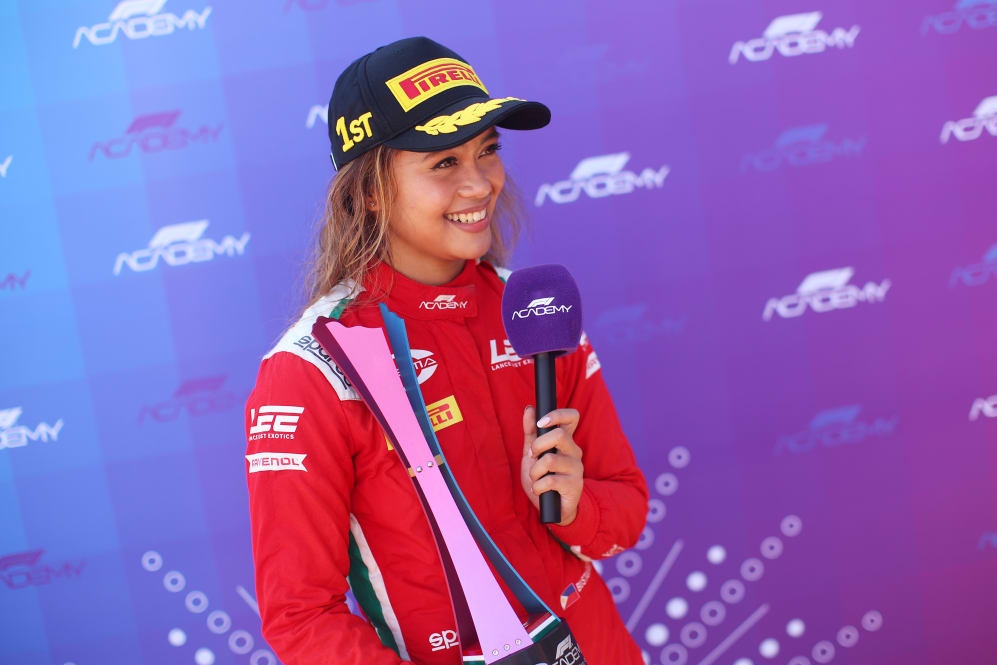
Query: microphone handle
point(546, 393)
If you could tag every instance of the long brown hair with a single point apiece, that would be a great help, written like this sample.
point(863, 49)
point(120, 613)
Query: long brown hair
point(352, 235)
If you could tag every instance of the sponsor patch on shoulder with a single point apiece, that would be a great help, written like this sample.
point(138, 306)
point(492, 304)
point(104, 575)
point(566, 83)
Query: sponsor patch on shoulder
point(592, 365)
point(276, 462)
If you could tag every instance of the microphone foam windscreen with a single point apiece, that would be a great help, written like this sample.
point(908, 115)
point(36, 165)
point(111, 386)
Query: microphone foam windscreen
point(542, 310)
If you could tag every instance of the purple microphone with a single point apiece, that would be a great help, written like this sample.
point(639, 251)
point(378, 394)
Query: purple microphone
point(542, 313)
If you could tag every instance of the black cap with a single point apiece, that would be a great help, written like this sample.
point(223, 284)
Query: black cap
point(415, 94)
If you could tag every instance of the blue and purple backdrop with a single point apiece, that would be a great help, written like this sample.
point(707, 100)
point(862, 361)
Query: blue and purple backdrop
point(781, 217)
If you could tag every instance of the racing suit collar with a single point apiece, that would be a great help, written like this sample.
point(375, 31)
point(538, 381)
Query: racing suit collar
point(454, 300)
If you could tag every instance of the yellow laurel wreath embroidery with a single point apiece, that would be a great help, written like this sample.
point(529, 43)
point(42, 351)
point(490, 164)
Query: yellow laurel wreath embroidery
point(447, 124)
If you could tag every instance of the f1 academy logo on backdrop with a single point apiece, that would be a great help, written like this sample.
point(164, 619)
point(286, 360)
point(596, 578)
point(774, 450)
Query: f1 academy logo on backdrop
point(11, 281)
point(4, 165)
point(599, 177)
point(793, 35)
point(13, 435)
point(823, 292)
point(25, 569)
point(984, 406)
point(152, 133)
point(138, 19)
point(178, 245)
point(315, 113)
point(198, 397)
point(974, 14)
point(977, 273)
point(801, 146)
point(970, 129)
point(630, 324)
point(835, 427)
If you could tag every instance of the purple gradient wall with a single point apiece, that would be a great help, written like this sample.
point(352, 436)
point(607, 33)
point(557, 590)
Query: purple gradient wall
point(781, 218)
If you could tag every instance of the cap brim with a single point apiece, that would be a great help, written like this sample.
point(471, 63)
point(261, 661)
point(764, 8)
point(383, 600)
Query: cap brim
point(456, 123)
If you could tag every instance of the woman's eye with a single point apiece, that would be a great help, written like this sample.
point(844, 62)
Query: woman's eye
point(492, 149)
point(449, 161)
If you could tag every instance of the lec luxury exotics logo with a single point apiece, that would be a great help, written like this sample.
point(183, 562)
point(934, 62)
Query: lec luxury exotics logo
point(975, 14)
point(152, 133)
point(178, 245)
point(825, 291)
point(138, 19)
point(13, 435)
point(801, 146)
point(274, 422)
point(599, 177)
point(835, 427)
point(970, 129)
point(793, 35)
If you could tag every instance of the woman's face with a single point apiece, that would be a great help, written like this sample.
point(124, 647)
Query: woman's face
point(433, 190)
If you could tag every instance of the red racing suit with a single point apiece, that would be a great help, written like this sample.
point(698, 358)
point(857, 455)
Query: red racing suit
point(333, 507)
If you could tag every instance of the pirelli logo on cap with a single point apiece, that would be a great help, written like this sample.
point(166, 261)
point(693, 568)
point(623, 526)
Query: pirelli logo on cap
point(422, 82)
point(444, 413)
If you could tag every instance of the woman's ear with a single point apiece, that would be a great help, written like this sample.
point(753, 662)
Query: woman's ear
point(371, 204)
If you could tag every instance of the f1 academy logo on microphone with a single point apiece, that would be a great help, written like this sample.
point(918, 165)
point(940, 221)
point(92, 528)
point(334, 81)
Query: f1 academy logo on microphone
point(793, 35)
point(180, 244)
point(138, 19)
point(541, 307)
point(825, 291)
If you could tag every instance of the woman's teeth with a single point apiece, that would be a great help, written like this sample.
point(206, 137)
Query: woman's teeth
point(468, 218)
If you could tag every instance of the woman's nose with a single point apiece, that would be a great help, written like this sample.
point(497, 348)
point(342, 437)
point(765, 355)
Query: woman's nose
point(474, 182)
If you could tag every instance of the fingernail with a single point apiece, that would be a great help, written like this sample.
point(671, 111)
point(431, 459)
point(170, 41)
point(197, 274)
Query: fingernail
point(543, 422)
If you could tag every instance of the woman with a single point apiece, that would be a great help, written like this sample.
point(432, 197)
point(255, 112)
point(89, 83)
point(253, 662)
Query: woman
point(410, 222)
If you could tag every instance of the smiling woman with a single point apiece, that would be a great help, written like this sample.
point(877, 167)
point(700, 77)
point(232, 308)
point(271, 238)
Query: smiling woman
point(468, 179)
point(419, 218)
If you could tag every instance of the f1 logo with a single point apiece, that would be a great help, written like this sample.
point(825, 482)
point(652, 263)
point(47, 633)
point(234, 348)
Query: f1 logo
point(443, 640)
point(276, 419)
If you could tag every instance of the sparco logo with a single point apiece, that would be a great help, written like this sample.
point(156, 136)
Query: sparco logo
point(541, 307)
point(274, 422)
point(22, 570)
point(987, 407)
point(198, 397)
point(835, 427)
point(599, 177)
point(976, 14)
point(567, 653)
point(178, 245)
point(4, 165)
point(138, 19)
point(823, 292)
point(801, 146)
point(443, 302)
point(13, 435)
point(792, 35)
point(154, 132)
point(970, 129)
point(977, 273)
point(312, 346)
point(443, 640)
point(12, 281)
